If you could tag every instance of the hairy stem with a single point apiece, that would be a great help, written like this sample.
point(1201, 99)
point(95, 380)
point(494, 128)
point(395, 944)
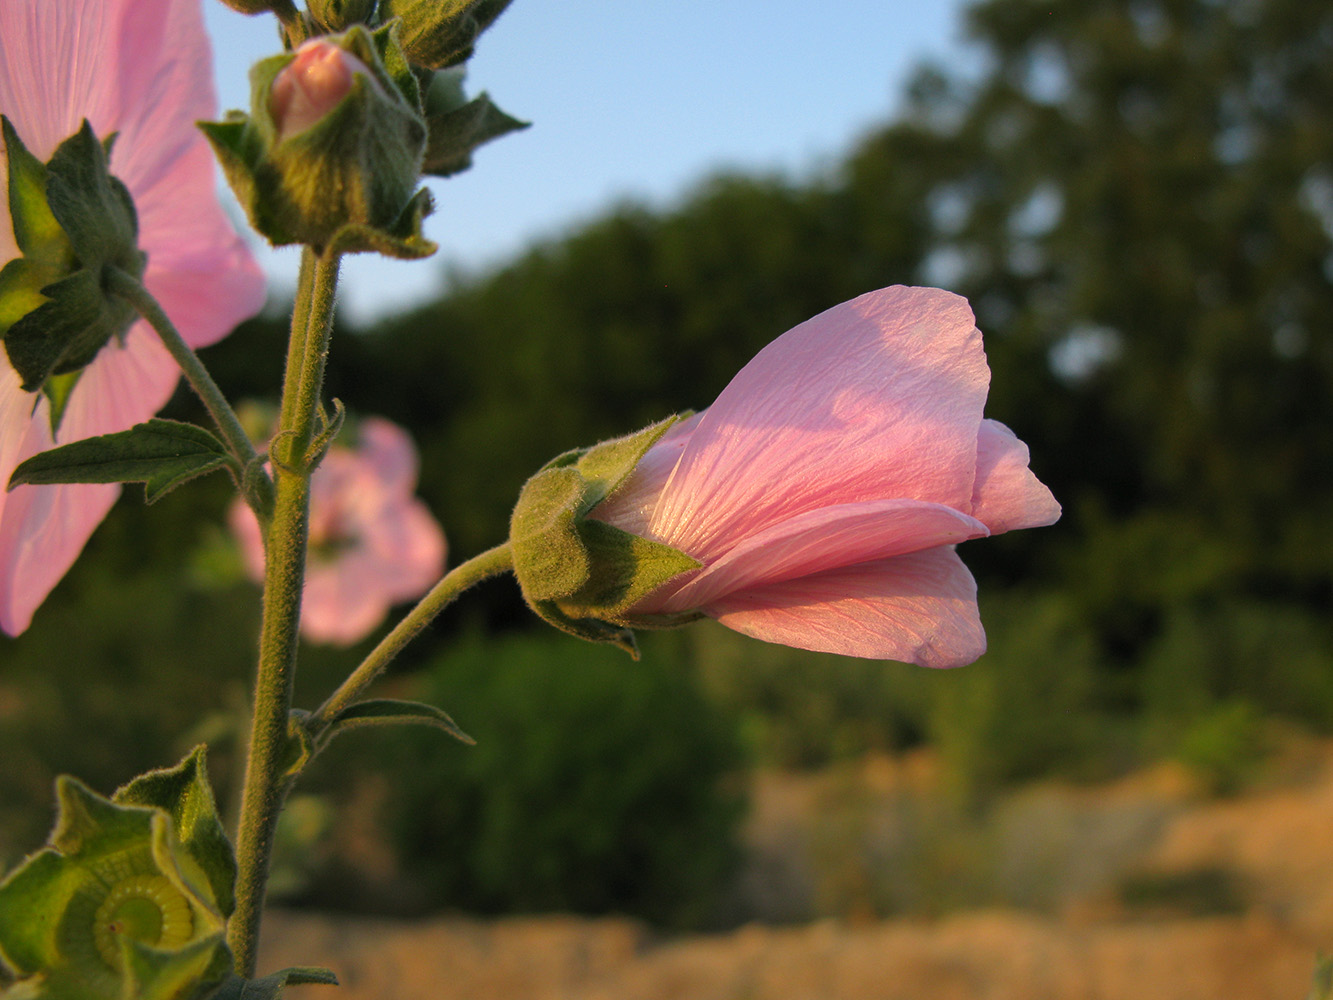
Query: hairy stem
point(126, 287)
point(489, 563)
point(266, 772)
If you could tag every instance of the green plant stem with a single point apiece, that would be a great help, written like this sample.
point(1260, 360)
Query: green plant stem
point(266, 772)
point(128, 288)
point(489, 563)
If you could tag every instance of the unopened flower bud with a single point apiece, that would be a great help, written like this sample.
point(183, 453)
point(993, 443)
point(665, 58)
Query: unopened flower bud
point(312, 85)
point(332, 153)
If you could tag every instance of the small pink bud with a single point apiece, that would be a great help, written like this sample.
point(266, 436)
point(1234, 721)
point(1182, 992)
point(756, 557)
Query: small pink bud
point(312, 85)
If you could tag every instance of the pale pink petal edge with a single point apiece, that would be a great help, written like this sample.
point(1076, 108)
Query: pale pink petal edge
point(919, 608)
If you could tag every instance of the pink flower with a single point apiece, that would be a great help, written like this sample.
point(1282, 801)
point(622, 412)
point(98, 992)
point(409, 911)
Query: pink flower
point(142, 69)
point(825, 490)
point(312, 85)
point(372, 543)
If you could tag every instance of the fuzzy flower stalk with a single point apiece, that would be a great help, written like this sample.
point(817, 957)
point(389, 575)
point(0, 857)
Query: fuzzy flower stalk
point(372, 544)
point(818, 502)
point(140, 70)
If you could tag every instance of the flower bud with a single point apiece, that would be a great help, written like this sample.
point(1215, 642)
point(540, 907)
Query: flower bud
point(332, 152)
point(312, 85)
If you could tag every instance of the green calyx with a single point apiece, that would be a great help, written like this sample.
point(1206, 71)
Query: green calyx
point(583, 575)
point(129, 898)
point(440, 33)
point(72, 222)
point(457, 126)
point(347, 183)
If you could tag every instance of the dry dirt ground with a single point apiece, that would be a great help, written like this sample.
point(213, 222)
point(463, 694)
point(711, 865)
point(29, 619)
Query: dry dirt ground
point(1273, 846)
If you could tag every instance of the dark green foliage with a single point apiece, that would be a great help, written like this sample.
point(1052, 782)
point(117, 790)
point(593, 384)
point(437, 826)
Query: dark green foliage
point(597, 784)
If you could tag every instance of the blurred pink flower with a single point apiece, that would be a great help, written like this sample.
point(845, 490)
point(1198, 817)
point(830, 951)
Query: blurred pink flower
point(372, 543)
point(825, 490)
point(142, 69)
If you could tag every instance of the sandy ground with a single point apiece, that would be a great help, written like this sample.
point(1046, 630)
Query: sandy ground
point(1276, 843)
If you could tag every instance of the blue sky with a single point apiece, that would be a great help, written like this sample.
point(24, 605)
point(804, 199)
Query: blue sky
point(633, 100)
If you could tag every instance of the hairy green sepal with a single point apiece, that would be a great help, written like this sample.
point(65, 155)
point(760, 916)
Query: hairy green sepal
point(348, 183)
point(582, 575)
point(440, 33)
point(457, 126)
point(72, 222)
point(129, 899)
point(161, 454)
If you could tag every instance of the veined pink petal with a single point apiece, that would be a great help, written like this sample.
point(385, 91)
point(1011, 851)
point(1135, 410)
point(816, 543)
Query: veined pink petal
point(818, 542)
point(140, 69)
point(919, 608)
point(43, 528)
point(1007, 495)
point(630, 507)
point(877, 397)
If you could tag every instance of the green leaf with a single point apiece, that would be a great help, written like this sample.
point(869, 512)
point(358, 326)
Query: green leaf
point(453, 135)
point(185, 794)
point(271, 987)
point(161, 454)
point(390, 712)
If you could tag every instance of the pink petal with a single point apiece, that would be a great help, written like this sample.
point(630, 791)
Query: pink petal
point(388, 450)
point(877, 397)
point(141, 69)
point(336, 608)
point(1007, 496)
point(43, 528)
point(919, 608)
point(818, 542)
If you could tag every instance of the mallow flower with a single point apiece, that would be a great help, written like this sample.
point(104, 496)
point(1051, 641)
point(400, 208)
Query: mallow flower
point(824, 492)
point(372, 542)
point(141, 70)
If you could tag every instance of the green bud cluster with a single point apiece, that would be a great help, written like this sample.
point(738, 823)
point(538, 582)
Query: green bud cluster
point(347, 183)
point(130, 897)
point(72, 222)
point(583, 575)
